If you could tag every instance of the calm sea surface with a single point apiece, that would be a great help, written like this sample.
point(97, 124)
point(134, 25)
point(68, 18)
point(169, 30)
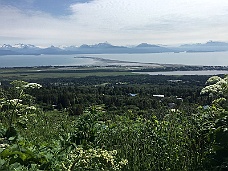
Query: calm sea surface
point(203, 58)
point(208, 58)
point(43, 60)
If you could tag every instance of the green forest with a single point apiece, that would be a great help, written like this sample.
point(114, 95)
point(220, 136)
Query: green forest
point(114, 122)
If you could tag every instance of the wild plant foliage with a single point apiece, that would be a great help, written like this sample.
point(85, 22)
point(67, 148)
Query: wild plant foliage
point(18, 114)
point(217, 88)
point(182, 139)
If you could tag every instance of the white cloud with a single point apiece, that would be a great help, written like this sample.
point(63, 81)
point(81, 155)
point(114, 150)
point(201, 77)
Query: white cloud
point(149, 14)
point(121, 22)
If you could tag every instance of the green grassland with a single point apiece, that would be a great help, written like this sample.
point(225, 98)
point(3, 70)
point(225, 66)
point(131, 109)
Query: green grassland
point(41, 73)
point(45, 72)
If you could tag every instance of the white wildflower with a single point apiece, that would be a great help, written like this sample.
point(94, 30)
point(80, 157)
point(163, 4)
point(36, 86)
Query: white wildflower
point(15, 101)
point(222, 82)
point(213, 80)
point(31, 108)
point(123, 162)
point(33, 85)
point(4, 145)
point(219, 101)
point(99, 157)
point(217, 87)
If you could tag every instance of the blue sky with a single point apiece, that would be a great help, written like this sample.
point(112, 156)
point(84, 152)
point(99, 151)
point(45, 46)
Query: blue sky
point(120, 22)
point(53, 7)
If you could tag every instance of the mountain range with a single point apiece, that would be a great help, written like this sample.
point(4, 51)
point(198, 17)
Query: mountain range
point(103, 48)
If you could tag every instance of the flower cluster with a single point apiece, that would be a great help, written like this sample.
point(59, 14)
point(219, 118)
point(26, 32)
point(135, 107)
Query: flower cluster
point(31, 108)
point(213, 80)
point(17, 106)
point(93, 159)
point(15, 101)
point(33, 85)
point(214, 89)
point(23, 85)
point(216, 86)
point(219, 101)
point(3, 143)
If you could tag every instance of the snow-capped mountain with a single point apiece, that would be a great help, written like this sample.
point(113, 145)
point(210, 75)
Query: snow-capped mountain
point(102, 48)
point(21, 49)
point(6, 47)
point(24, 46)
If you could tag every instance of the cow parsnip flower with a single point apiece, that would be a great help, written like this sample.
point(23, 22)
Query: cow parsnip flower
point(213, 80)
point(93, 158)
point(33, 85)
point(216, 86)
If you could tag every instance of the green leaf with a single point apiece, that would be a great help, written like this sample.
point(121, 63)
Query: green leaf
point(11, 138)
point(6, 153)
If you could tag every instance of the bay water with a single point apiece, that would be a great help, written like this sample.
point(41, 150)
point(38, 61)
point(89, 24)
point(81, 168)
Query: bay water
point(198, 59)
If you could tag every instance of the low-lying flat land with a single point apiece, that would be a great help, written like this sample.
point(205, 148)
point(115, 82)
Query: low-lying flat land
point(105, 67)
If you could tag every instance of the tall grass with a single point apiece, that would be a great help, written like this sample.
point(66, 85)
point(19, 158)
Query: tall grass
point(175, 143)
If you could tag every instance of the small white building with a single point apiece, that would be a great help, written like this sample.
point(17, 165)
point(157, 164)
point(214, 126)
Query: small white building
point(132, 95)
point(159, 95)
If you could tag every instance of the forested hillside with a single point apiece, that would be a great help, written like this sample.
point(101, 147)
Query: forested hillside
point(135, 122)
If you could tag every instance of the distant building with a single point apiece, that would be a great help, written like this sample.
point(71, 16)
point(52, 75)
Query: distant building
point(179, 98)
point(132, 95)
point(159, 95)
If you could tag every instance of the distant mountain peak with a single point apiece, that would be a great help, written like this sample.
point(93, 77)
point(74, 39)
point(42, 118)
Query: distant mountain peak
point(103, 45)
point(216, 43)
point(84, 46)
point(99, 45)
point(53, 47)
point(209, 43)
point(6, 46)
point(146, 45)
point(24, 46)
point(105, 48)
point(210, 46)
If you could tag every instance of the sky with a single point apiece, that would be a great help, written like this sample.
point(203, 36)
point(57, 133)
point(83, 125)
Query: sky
point(119, 22)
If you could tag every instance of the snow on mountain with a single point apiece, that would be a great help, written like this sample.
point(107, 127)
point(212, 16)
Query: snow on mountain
point(70, 48)
point(101, 48)
point(25, 46)
point(6, 47)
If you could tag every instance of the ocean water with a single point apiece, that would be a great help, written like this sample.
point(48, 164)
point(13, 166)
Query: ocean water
point(43, 60)
point(201, 59)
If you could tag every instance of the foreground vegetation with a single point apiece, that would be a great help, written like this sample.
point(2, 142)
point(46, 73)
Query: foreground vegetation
point(115, 123)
